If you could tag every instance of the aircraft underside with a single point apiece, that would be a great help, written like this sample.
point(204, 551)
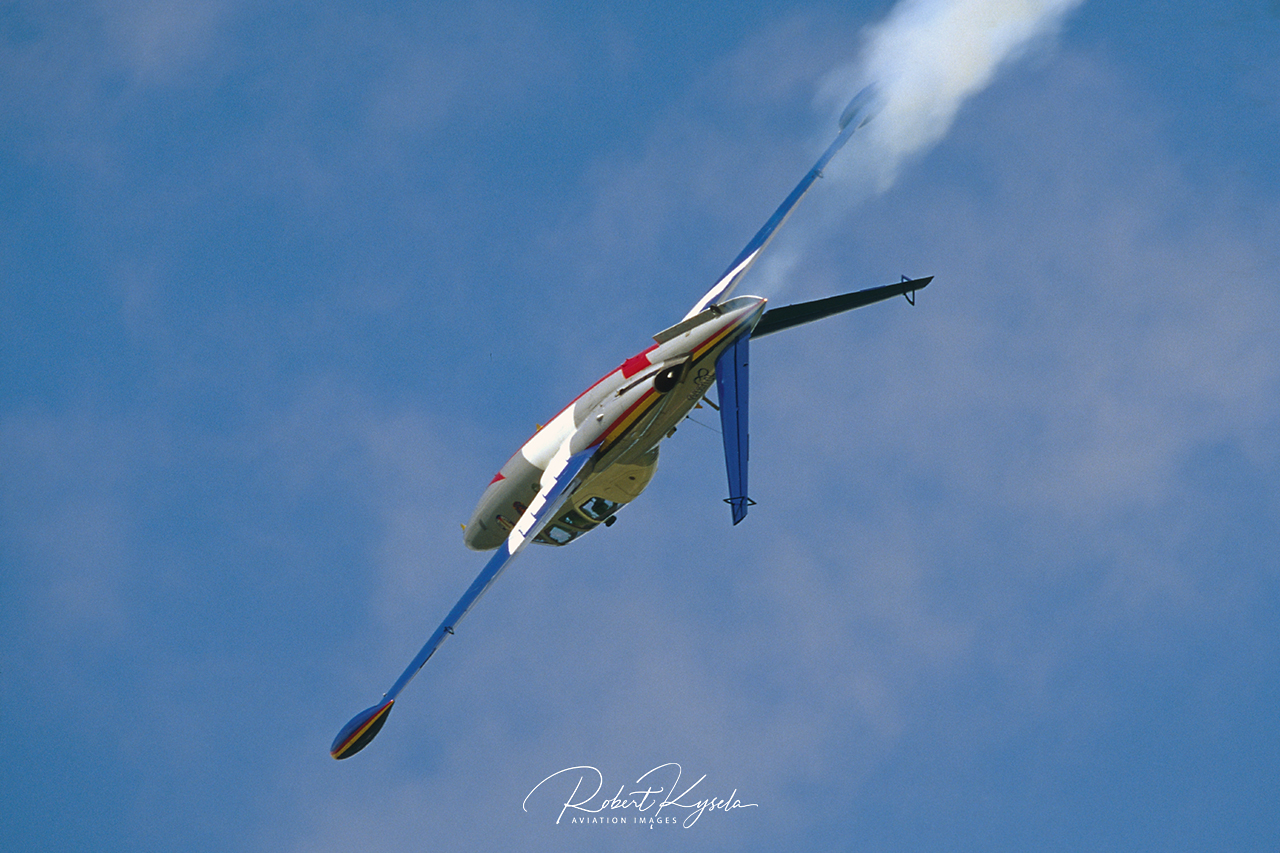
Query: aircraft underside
point(600, 452)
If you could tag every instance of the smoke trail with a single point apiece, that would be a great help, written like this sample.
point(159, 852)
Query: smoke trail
point(927, 58)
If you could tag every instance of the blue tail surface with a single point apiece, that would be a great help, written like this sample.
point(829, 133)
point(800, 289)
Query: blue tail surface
point(732, 386)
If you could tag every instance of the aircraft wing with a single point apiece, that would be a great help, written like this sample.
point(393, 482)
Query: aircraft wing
point(859, 112)
point(777, 319)
point(553, 492)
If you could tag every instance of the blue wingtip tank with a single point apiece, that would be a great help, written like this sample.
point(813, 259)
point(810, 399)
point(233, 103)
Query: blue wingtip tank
point(864, 106)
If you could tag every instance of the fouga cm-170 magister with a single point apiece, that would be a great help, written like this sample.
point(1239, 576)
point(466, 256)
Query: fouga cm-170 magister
point(601, 450)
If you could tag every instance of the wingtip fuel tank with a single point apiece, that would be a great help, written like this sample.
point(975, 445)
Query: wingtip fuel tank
point(362, 728)
point(864, 107)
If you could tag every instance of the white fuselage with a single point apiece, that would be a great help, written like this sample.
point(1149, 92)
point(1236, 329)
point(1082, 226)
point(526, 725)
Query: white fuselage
point(624, 416)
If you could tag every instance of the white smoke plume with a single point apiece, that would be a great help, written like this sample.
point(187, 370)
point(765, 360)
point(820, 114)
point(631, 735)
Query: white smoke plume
point(926, 58)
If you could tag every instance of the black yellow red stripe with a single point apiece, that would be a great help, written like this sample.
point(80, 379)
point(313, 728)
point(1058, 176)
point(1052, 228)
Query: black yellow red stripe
point(717, 338)
point(642, 406)
point(356, 735)
point(638, 410)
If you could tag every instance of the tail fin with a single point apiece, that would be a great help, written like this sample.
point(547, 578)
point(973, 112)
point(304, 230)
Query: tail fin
point(733, 377)
point(732, 386)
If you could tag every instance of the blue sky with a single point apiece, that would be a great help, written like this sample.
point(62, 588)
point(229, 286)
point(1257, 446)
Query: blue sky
point(283, 287)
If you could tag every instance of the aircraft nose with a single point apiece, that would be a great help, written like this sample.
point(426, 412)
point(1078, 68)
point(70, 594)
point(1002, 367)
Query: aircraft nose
point(501, 505)
point(479, 537)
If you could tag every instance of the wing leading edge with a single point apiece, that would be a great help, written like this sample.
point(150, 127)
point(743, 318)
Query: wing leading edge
point(560, 474)
point(860, 111)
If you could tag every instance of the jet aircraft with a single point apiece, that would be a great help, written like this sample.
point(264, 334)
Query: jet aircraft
point(601, 450)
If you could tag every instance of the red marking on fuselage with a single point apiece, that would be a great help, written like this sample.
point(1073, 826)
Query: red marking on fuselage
point(637, 363)
point(496, 477)
point(626, 419)
point(630, 368)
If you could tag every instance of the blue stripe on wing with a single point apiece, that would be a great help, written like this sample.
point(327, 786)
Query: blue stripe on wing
point(858, 113)
point(548, 501)
point(555, 490)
